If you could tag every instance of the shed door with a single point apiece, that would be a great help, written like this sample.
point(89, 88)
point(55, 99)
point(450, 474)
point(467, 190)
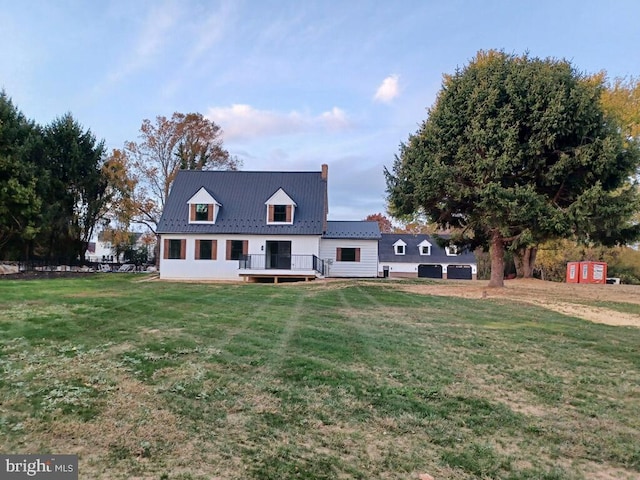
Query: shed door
point(430, 271)
point(459, 272)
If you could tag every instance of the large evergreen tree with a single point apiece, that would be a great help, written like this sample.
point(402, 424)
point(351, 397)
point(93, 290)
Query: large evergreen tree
point(517, 150)
point(19, 200)
point(74, 187)
point(53, 186)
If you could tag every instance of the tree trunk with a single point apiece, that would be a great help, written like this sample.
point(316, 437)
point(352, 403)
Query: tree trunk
point(528, 261)
point(532, 260)
point(527, 268)
point(524, 260)
point(156, 252)
point(497, 260)
point(518, 261)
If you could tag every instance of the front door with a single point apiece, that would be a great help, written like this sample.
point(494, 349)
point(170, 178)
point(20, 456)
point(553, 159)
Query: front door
point(279, 255)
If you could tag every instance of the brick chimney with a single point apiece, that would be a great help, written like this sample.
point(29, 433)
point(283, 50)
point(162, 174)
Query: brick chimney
point(325, 172)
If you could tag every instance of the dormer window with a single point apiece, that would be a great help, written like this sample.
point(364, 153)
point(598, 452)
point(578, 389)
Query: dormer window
point(424, 248)
point(280, 213)
point(202, 212)
point(203, 208)
point(399, 247)
point(280, 208)
point(452, 251)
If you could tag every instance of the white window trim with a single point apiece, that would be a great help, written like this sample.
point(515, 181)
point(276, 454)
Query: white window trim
point(422, 245)
point(216, 209)
point(280, 197)
point(202, 197)
point(451, 251)
point(398, 244)
point(293, 213)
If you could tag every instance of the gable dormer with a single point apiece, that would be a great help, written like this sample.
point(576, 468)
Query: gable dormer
point(203, 208)
point(424, 247)
point(400, 247)
point(452, 250)
point(280, 208)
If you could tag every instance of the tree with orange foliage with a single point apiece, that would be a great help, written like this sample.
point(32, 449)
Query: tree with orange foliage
point(182, 142)
point(383, 222)
point(142, 173)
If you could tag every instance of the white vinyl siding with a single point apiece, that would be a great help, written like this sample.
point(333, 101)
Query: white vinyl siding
point(366, 267)
point(222, 269)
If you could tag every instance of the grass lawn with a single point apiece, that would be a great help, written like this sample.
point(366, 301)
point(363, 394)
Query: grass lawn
point(352, 379)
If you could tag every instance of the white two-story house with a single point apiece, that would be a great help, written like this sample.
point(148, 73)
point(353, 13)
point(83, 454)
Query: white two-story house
point(229, 225)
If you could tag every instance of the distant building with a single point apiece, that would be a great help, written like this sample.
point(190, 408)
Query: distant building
point(101, 250)
point(420, 255)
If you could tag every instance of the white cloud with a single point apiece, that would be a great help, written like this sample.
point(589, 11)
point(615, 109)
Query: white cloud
point(241, 122)
point(335, 119)
point(388, 89)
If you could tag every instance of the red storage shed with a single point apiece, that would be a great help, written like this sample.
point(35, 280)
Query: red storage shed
point(587, 272)
point(573, 272)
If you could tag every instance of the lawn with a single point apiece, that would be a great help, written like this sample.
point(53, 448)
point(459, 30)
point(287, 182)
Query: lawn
point(322, 380)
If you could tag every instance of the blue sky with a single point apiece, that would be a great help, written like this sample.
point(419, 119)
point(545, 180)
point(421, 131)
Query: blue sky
point(293, 84)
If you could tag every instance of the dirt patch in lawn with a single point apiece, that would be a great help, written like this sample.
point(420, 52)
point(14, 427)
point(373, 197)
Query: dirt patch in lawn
point(568, 299)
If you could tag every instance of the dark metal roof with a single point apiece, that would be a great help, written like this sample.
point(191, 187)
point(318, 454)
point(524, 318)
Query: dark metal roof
point(386, 251)
point(352, 230)
point(243, 196)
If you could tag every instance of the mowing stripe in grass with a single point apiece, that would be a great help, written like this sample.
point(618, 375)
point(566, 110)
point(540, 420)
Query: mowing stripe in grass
point(327, 380)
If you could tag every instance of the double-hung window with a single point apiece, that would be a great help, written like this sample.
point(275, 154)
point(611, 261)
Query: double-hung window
point(174, 249)
point(348, 255)
point(237, 249)
point(202, 212)
point(206, 249)
point(279, 213)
